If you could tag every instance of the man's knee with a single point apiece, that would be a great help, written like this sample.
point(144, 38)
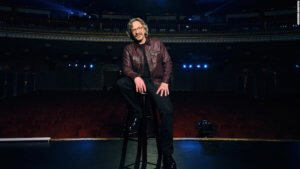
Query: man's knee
point(123, 82)
point(120, 82)
point(167, 109)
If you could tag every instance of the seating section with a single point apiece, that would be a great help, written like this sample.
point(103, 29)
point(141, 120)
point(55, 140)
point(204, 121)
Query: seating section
point(77, 114)
point(95, 22)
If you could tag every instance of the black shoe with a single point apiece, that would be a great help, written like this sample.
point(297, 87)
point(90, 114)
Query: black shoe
point(134, 125)
point(169, 162)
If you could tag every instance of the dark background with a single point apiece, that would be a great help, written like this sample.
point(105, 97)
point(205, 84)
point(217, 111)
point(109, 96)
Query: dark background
point(251, 48)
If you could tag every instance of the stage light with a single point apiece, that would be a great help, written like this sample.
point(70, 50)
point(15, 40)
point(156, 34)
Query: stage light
point(205, 66)
point(76, 65)
point(184, 66)
point(297, 66)
point(198, 66)
point(190, 66)
point(190, 145)
point(187, 26)
point(91, 66)
point(190, 19)
point(84, 66)
point(69, 64)
point(84, 14)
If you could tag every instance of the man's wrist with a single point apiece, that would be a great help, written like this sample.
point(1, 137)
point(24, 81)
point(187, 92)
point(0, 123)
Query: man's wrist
point(136, 77)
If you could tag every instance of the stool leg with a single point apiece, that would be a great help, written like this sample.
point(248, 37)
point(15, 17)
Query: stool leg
point(139, 150)
point(145, 120)
point(158, 140)
point(144, 141)
point(124, 150)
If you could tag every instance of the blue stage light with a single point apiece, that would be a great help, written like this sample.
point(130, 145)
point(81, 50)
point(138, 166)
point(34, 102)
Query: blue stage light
point(184, 66)
point(198, 66)
point(91, 66)
point(190, 66)
point(190, 146)
point(205, 66)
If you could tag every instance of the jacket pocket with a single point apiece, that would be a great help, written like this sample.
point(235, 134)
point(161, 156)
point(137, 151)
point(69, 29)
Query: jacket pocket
point(155, 56)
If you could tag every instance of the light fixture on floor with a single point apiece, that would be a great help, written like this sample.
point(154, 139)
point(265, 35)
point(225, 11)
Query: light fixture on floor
point(206, 128)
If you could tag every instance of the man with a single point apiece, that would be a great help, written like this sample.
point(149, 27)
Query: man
point(147, 67)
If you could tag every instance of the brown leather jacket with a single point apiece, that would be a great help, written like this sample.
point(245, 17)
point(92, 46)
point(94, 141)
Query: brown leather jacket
point(159, 61)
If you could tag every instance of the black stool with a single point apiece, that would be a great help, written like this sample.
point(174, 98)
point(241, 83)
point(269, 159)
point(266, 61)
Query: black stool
point(147, 106)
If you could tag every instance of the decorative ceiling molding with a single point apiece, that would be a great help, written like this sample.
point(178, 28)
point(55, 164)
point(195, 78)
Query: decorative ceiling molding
point(167, 38)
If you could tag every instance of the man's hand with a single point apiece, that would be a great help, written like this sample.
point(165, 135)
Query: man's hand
point(163, 89)
point(140, 86)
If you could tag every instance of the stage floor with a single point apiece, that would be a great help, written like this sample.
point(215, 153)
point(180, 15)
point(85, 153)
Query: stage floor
point(189, 154)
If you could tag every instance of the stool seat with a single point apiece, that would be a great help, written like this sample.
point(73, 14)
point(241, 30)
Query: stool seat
point(142, 138)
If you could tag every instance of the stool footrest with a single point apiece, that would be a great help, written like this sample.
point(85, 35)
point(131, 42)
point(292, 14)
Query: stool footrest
point(133, 139)
point(141, 162)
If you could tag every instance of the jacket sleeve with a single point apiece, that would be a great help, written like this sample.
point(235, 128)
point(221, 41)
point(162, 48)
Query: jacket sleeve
point(127, 65)
point(167, 64)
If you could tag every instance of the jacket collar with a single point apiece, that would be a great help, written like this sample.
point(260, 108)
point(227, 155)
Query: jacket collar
point(146, 43)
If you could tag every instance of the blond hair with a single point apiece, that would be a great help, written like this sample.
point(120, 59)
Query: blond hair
point(129, 26)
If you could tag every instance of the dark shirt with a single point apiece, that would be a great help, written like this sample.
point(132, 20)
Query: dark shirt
point(146, 71)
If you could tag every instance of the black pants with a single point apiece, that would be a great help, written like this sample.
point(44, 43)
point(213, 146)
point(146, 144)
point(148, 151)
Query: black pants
point(163, 104)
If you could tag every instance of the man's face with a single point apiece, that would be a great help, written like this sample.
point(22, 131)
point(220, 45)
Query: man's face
point(138, 31)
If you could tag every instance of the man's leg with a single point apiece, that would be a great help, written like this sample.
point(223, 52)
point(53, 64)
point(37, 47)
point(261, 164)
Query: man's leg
point(127, 88)
point(165, 108)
